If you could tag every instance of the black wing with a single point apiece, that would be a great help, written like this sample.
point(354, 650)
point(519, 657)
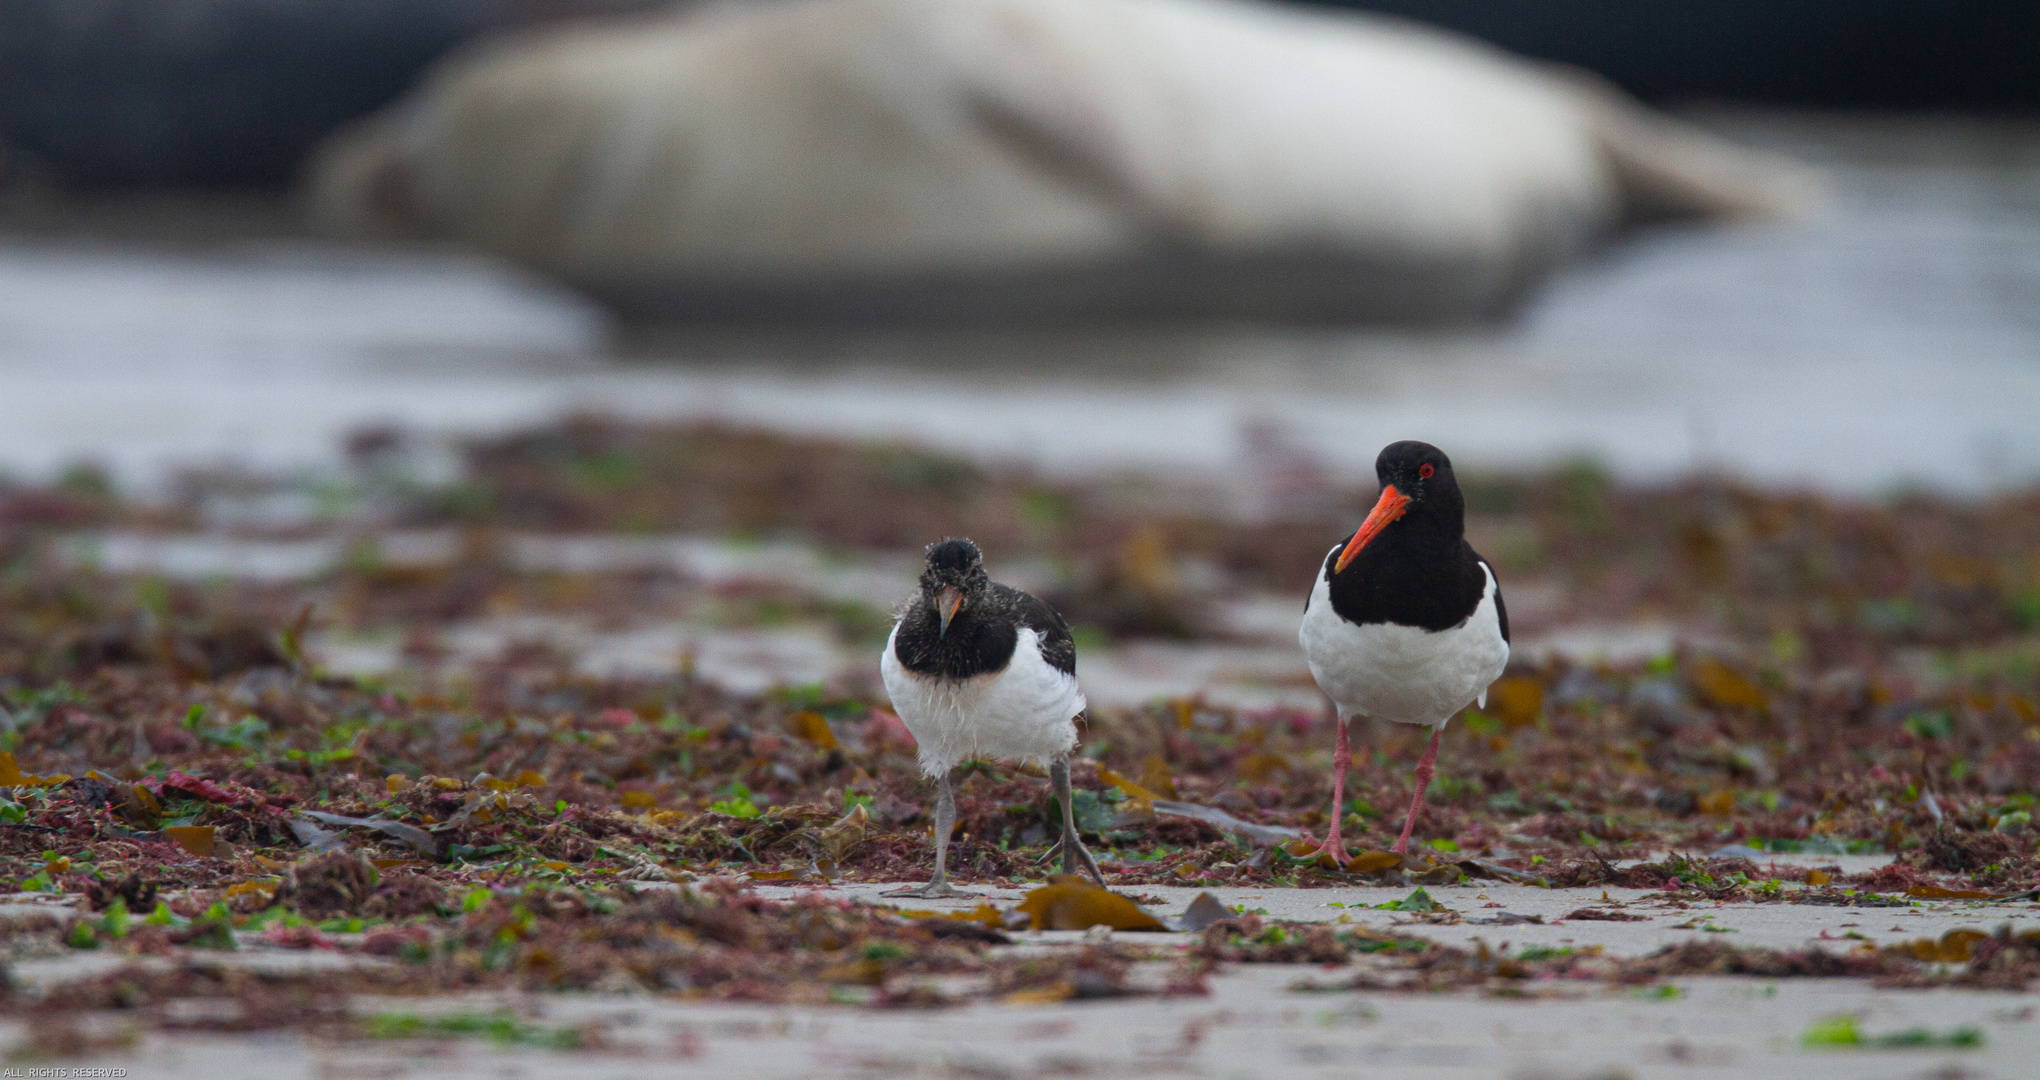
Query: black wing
point(1057, 647)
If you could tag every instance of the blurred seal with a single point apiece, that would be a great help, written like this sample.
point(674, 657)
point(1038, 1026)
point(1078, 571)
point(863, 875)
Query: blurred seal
point(987, 159)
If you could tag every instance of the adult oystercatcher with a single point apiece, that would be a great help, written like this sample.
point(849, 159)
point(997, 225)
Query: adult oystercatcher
point(980, 669)
point(1406, 621)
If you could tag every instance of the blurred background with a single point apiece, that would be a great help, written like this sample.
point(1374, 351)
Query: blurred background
point(167, 300)
point(659, 330)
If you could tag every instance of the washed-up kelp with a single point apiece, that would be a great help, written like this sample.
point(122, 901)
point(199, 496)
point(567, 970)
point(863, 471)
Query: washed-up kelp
point(144, 712)
point(177, 764)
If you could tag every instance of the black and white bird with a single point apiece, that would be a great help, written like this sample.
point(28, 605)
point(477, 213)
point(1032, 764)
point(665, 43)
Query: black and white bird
point(1406, 621)
point(977, 669)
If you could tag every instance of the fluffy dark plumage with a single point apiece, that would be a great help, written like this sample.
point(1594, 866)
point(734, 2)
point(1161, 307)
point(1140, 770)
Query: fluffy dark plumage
point(982, 636)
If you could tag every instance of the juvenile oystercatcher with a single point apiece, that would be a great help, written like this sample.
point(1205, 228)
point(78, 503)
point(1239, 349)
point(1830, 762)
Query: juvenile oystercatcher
point(1406, 621)
point(979, 669)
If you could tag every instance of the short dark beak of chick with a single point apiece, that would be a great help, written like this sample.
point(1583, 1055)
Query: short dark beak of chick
point(946, 602)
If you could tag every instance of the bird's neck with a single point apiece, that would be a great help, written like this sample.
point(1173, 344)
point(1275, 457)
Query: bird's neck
point(1415, 573)
point(976, 643)
point(1430, 532)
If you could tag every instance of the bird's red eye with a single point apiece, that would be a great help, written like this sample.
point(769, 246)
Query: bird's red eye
point(1425, 470)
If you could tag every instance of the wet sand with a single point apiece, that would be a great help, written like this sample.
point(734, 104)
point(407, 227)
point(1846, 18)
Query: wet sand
point(1257, 1021)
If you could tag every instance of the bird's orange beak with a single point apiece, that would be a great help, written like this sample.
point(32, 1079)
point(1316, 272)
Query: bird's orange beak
point(1390, 506)
point(946, 602)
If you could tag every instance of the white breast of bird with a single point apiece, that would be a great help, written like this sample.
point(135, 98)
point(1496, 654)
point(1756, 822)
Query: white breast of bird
point(1021, 713)
point(1406, 674)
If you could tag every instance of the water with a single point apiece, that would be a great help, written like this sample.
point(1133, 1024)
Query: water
point(1893, 340)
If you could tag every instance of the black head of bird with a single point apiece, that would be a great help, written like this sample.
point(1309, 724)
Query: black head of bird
point(953, 576)
point(1419, 498)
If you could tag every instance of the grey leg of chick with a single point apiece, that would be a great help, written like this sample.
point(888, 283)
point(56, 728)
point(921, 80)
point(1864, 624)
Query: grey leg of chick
point(1072, 848)
point(938, 887)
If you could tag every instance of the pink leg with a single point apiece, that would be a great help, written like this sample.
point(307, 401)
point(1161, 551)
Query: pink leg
point(1342, 758)
point(1424, 767)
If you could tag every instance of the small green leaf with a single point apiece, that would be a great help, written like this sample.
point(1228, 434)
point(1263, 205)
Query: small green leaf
point(1416, 901)
point(1934, 725)
point(114, 923)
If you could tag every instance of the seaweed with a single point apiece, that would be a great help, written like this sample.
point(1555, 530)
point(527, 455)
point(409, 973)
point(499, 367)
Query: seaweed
point(173, 753)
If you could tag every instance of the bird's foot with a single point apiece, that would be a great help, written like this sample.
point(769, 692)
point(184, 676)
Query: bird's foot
point(934, 890)
point(1332, 852)
point(1075, 859)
